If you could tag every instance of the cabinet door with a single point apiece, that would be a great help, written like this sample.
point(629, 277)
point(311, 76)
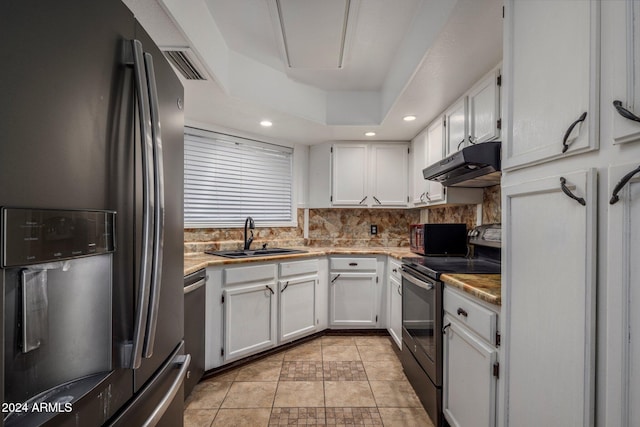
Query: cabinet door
point(623, 299)
point(456, 127)
point(353, 299)
point(297, 307)
point(625, 48)
point(389, 175)
point(419, 161)
point(551, 69)
point(484, 109)
point(349, 175)
point(435, 144)
point(249, 319)
point(549, 301)
point(469, 386)
point(395, 310)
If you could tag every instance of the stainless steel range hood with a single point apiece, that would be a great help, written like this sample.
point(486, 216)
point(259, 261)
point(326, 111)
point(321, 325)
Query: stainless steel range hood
point(477, 165)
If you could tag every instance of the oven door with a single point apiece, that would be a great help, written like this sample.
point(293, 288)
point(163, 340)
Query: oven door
point(422, 321)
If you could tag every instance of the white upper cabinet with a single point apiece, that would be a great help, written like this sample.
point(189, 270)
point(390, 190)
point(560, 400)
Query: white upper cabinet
point(484, 109)
point(370, 175)
point(435, 145)
point(389, 177)
point(626, 76)
point(456, 126)
point(419, 161)
point(552, 80)
point(349, 175)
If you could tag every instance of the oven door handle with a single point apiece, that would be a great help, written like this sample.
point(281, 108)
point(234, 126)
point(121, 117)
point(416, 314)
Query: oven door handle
point(424, 285)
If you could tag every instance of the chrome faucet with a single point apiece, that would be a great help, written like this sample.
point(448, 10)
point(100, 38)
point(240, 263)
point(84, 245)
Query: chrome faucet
point(247, 242)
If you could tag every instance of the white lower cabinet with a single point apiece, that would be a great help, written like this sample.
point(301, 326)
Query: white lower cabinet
point(394, 299)
point(249, 319)
point(354, 292)
point(470, 366)
point(298, 294)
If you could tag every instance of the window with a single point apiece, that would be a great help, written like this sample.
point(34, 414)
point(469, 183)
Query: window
point(227, 178)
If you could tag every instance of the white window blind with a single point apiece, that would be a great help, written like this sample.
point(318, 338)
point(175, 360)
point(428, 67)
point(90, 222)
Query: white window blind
point(227, 178)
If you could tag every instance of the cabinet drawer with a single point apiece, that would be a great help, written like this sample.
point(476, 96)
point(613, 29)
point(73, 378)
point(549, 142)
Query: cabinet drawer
point(297, 268)
point(249, 274)
point(394, 269)
point(481, 320)
point(353, 264)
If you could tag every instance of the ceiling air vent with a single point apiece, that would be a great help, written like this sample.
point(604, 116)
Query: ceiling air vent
point(185, 62)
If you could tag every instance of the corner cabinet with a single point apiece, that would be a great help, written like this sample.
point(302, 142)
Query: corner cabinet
point(370, 175)
point(470, 361)
point(548, 300)
point(552, 80)
point(354, 292)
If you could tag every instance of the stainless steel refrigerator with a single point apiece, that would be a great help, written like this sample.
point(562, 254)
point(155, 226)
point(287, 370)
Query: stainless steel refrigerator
point(89, 153)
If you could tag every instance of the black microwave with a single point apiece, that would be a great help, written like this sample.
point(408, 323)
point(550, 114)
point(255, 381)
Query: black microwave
point(438, 239)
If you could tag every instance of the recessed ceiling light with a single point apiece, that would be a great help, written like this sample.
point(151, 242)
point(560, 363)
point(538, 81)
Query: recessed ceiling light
point(409, 118)
point(266, 123)
point(369, 134)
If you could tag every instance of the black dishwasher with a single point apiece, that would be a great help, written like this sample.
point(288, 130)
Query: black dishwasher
point(194, 309)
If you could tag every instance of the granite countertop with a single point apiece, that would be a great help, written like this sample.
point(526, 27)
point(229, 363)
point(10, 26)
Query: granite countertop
point(483, 286)
point(195, 262)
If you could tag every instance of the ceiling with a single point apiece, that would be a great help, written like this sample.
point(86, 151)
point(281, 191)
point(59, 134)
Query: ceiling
point(326, 70)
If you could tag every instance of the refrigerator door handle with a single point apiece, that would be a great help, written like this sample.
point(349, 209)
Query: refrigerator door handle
point(164, 404)
point(158, 232)
point(142, 305)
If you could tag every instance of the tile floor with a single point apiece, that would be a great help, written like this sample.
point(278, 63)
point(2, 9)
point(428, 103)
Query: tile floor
point(330, 381)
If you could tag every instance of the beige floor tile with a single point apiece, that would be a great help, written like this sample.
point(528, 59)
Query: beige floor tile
point(394, 394)
point(199, 417)
point(338, 340)
point(340, 353)
point(305, 353)
point(377, 353)
point(405, 417)
point(277, 357)
point(207, 395)
point(298, 394)
point(228, 376)
point(388, 370)
point(260, 371)
point(349, 394)
point(373, 340)
point(257, 394)
point(258, 417)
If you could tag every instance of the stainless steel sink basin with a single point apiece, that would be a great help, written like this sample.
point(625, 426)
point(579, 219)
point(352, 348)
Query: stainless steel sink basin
point(256, 253)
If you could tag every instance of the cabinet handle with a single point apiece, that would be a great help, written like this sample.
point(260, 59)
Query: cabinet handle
point(395, 270)
point(568, 192)
point(444, 329)
point(377, 201)
point(335, 278)
point(462, 312)
point(428, 196)
point(614, 197)
point(362, 201)
point(353, 264)
point(286, 285)
point(400, 290)
point(422, 197)
point(624, 112)
point(565, 146)
point(270, 290)
point(459, 144)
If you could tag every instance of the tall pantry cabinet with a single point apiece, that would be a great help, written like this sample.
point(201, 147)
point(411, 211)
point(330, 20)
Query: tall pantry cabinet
point(567, 250)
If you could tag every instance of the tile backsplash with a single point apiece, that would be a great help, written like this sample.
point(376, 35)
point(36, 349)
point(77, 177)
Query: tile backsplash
point(345, 227)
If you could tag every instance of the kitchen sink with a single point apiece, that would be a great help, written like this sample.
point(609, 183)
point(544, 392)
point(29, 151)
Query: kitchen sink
point(256, 253)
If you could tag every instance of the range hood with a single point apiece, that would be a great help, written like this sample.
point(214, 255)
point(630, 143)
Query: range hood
point(477, 165)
